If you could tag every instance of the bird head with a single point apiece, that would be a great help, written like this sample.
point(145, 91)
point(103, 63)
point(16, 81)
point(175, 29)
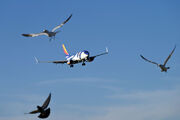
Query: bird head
point(45, 31)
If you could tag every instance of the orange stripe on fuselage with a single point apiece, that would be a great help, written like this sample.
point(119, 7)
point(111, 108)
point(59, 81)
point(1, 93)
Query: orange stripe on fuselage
point(65, 51)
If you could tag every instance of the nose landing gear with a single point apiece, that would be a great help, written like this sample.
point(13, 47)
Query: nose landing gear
point(71, 66)
point(83, 64)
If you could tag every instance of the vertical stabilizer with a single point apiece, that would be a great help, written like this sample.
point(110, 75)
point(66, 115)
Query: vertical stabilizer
point(65, 51)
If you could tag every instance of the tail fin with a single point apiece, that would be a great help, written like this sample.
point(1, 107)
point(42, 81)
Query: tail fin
point(65, 51)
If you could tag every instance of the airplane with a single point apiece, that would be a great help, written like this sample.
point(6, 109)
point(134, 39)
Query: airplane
point(161, 66)
point(43, 110)
point(51, 34)
point(80, 57)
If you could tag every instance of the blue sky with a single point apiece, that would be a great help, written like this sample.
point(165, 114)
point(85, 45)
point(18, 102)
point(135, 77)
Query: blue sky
point(116, 86)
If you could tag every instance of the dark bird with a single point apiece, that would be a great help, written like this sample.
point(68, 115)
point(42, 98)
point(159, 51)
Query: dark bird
point(51, 34)
point(43, 110)
point(162, 66)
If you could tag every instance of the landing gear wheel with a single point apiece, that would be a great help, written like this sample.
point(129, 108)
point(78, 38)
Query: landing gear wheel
point(83, 64)
point(71, 66)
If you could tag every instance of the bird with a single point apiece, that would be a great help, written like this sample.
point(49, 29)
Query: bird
point(43, 110)
point(162, 66)
point(51, 34)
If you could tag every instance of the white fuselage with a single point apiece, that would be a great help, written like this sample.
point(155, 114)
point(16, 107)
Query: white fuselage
point(78, 57)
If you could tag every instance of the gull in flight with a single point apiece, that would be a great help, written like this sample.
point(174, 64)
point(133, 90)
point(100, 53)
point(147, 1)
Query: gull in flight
point(162, 66)
point(51, 34)
point(44, 113)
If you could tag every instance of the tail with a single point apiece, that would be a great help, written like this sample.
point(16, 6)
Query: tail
point(65, 51)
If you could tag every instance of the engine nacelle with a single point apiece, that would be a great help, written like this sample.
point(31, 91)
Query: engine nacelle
point(70, 62)
point(90, 59)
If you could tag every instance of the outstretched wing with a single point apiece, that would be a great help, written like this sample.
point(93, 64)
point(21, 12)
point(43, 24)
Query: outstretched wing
point(149, 60)
point(46, 103)
point(33, 112)
point(62, 23)
point(169, 56)
point(56, 62)
point(34, 34)
point(92, 57)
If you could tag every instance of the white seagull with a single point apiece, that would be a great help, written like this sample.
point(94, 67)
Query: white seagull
point(50, 34)
point(162, 66)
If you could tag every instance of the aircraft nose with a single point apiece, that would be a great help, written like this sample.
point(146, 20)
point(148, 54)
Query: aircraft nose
point(87, 54)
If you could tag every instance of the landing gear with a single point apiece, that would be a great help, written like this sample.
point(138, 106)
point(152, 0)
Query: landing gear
point(71, 66)
point(83, 64)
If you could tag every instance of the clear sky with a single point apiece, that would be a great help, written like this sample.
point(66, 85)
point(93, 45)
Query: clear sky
point(117, 86)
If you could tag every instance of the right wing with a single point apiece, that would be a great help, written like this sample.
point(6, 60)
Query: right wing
point(46, 103)
point(149, 60)
point(62, 23)
point(56, 62)
point(100, 54)
point(34, 34)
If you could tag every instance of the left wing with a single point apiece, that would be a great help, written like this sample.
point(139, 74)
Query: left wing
point(62, 23)
point(56, 62)
point(34, 34)
point(169, 56)
point(92, 57)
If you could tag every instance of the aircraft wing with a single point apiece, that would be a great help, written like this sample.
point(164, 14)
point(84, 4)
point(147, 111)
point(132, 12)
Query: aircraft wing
point(56, 62)
point(100, 54)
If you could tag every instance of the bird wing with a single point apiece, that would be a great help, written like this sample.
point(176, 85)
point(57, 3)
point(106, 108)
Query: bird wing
point(169, 56)
point(62, 23)
point(46, 103)
point(34, 34)
point(34, 112)
point(149, 60)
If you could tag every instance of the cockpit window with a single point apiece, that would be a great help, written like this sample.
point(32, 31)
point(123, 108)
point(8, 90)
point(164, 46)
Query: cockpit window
point(86, 52)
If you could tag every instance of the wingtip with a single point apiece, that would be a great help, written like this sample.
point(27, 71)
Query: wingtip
point(107, 51)
point(37, 61)
point(141, 56)
point(25, 35)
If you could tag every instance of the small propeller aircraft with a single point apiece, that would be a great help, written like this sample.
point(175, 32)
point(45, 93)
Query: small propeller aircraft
point(50, 34)
point(162, 66)
point(80, 57)
point(44, 113)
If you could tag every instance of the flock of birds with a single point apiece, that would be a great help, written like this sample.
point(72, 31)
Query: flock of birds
point(43, 110)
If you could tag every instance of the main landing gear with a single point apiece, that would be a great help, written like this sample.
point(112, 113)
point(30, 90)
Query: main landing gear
point(83, 64)
point(71, 66)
